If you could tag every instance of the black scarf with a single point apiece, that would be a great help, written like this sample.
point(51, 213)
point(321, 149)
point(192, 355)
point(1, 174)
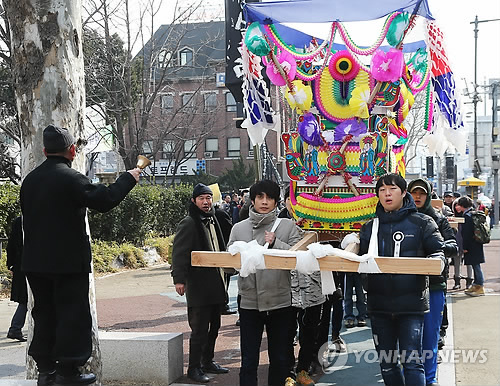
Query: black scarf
point(201, 220)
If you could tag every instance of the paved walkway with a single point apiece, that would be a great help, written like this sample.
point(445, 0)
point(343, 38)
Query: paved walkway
point(145, 300)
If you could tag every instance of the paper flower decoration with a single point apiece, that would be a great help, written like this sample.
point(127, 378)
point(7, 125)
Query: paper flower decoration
point(419, 60)
point(342, 66)
point(302, 98)
point(396, 30)
point(309, 130)
point(255, 42)
point(387, 66)
point(351, 126)
point(360, 97)
point(287, 62)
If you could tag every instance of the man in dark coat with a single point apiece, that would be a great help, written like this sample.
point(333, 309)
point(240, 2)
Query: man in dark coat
point(19, 290)
point(57, 256)
point(396, 302)
point(204, 286)
point(420, 190)
point(473, 250)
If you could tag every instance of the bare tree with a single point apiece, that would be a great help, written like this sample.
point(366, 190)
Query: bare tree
point(136, 91)
point(47, 67)
point(10, 137)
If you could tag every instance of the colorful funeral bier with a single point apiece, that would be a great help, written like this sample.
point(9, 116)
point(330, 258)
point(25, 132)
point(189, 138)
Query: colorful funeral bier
point(348, 103)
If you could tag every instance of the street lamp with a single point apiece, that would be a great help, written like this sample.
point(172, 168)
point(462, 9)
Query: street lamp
point(475, 96)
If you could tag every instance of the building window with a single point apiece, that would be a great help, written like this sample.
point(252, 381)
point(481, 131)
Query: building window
point(210, 100)
point(165, 59)
point(168, 149)
point(147, 147)
point(212, 144)
point(250, 148)
point(188, 100)
point(167, 103)
point(186, 57)
point(233, 147)
point(190, 148)
point(230, 102)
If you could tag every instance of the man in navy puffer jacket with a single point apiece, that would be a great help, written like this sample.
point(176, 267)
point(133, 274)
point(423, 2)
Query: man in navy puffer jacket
point(397, 302)
point(420, 190)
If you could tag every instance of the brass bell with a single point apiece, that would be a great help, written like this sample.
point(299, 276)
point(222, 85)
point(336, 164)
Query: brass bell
point(143, 162)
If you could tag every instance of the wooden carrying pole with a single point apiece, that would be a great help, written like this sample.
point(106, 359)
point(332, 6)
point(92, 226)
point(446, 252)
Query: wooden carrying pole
point(405, 265)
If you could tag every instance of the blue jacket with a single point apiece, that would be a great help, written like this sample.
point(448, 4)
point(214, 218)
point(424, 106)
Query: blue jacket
point(401, 293)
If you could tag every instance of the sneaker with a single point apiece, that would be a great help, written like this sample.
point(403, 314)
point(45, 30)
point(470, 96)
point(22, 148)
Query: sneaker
point(349, 323)
point(477, 291)
point(441, 343)
point(338, 345)
point(290, 382)
point(470, 289)
point(304, 379)
point(361, 323)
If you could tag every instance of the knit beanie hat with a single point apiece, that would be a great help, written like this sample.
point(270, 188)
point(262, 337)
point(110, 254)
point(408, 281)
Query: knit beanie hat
point(200, 189)
point(56, 139)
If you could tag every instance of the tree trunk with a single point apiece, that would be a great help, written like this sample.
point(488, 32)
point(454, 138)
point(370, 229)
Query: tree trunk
point(47, 63)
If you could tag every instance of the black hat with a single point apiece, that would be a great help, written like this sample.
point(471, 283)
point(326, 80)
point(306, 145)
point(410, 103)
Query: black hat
point(200, 189)
point(419, 184)
point(448, 193)
point(457, 194)
point(56, 139)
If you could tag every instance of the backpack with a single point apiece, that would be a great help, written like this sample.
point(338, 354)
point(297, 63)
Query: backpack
point(481, 229)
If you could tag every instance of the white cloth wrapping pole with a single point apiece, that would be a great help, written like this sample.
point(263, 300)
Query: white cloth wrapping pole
point(252, 253)
point(370, 264)
point(252, 256)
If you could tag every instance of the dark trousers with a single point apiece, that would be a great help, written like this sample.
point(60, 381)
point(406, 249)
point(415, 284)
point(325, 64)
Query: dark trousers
point(332, 310)
point(278, 324)
point(309, 326)
point(18, 319)
point(204, 322)
point(62, 335)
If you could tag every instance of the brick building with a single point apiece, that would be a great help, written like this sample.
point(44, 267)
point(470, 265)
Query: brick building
point(192, 122)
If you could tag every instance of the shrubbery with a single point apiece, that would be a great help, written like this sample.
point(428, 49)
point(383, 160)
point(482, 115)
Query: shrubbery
point(146, 211)
point(9, 207)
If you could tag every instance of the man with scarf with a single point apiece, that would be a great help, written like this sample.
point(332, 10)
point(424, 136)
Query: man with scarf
point(204, 286)
point(397, 302)
point(420, 190)
point(266, 299)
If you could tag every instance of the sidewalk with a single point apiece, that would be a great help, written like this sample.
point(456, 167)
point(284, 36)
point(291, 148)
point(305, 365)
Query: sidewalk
point(145, 300)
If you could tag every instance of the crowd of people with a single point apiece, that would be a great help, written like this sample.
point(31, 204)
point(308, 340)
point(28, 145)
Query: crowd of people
point(289, 302)
point(406, 312)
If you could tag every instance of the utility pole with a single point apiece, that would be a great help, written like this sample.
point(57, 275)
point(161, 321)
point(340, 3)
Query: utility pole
point(475, 96)
point(495, 162)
